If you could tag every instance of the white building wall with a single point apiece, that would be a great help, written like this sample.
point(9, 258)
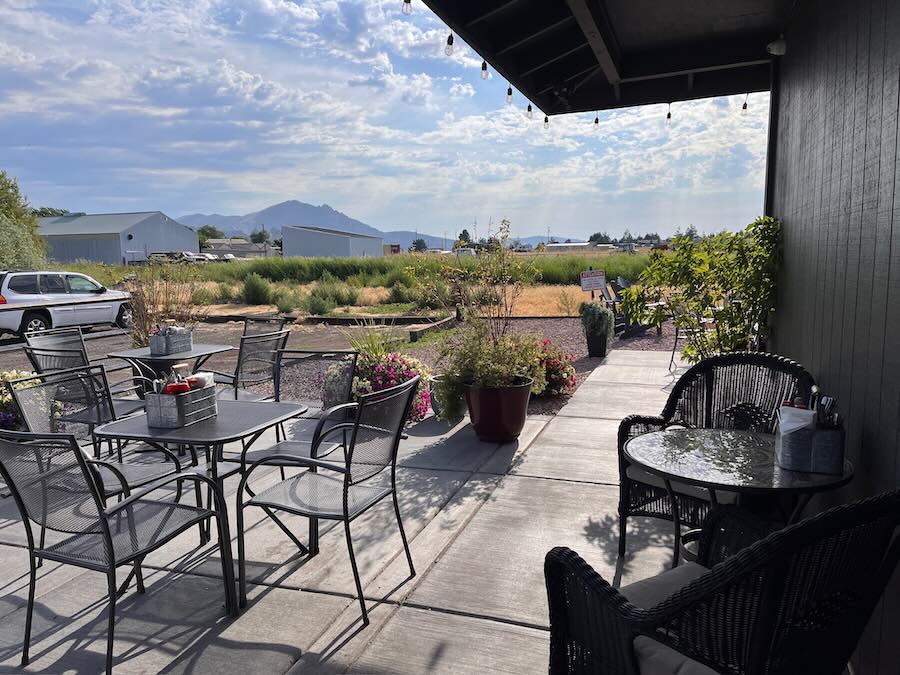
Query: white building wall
point(158, 234)
point(313, 244)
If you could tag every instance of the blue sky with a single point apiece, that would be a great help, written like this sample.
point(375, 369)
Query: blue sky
point(229, 106)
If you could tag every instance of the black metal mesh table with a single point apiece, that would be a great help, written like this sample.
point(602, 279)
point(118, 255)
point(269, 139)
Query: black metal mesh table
point(157, 365)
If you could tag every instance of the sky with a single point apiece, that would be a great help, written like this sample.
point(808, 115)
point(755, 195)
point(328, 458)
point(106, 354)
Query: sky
point(229, 106)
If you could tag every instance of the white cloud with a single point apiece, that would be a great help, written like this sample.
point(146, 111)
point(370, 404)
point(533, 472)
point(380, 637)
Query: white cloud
point(462, 90)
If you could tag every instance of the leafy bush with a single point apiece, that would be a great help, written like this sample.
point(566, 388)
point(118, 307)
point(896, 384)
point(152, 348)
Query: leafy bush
point(317, 305)
point(286, 300)
point(224, 292)
point(202, 296)
point(334, 293)
point(256, 291)
point(19, 249)
point(9, 412)
point(558, 369)
point(597, 319)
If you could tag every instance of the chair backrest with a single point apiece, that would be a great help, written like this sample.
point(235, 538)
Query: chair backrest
point(57, 338)
point(380, 418)
point(255, 325)
point(738, 390)
point(70, 401)
point(318, 379)
point(51, 482)
point(46, 360)
point(257, 356)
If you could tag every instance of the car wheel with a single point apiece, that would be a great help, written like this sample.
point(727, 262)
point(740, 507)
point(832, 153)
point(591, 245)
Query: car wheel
point(33, 322)
point(125, 319)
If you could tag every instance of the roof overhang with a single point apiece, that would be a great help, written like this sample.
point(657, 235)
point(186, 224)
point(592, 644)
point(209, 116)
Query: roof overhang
point(583, 55)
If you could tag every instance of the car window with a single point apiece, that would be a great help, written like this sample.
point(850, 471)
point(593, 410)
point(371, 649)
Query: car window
point(24, 283)
point(53, 283)
point(79, 284)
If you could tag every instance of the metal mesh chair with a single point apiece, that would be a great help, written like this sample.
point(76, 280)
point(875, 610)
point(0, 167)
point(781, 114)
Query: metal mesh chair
point(75, 401)
point(256, 325)
point(56, 489)
point(348, 487)
point(792, 603)
point(255, 366)
point(739, 390)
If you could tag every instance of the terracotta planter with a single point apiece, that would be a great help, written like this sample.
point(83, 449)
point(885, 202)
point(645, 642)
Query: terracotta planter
point(597, 344)
point(498, 413)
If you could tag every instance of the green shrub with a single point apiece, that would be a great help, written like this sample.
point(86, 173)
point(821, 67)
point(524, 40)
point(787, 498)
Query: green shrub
point(334, 292)
point(401, 294)
point(286, 300)
point(256, 291)
point(224, 292)
point(317, 305)
point(202, 296)
point(19, 250)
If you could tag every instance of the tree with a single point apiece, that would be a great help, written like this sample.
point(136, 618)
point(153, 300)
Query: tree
point(600, 238)
point(464, 236)
point(540, 248)
point(419, 245)
point(49, 212)
point(207, 232)
point(18, 251)
point(259, 237)
point(627, 237)
point(691, 233)
point(15, 207)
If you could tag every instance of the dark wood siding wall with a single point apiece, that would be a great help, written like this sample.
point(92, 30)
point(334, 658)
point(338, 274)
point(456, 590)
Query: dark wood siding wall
point(837, 190)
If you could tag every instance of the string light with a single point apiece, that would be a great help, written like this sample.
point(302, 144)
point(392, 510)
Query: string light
point(669, 116)
point(744, 107)
point(509, 95)
point(407, 7)
point(546, 122)
point(448, 50)
point(484, 70)
point(597, 120)
point(529, 112)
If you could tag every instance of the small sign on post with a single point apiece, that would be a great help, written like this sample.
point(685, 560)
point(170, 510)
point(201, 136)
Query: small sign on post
point(593, 280)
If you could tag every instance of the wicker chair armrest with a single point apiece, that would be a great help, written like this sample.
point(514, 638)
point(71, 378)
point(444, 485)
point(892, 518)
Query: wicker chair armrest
point(636, 425)
point(728, 529)
point(592, 625)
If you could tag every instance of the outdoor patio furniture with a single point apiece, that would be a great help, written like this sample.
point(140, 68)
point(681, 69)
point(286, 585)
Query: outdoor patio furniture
point(725, 463)
point(739, 390)
point(255, 366)
point(351, 483)
point(56, 488)
point(255, 325)
point(159, 365)
point(792, 603)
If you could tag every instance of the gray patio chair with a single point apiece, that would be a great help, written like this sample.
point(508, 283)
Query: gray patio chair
point(255, 325)
point(56, 488)
point(350, 484)
point(255, 366)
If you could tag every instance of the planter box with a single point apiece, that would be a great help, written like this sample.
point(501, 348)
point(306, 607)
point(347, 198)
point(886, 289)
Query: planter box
point(174, 343)
point(173, 411)
point(597, 344)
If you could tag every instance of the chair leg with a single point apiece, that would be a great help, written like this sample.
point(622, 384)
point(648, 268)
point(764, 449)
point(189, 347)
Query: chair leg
point(110, 634)
point(43, 537)
point(359, 590)
point(32, 582)
point(202, 524)
point(412, 569)
point(242, 565)
point(139, 575)
point(623, 529)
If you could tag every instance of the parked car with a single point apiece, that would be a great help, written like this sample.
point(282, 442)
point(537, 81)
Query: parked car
point(212, 257)
point(32, 301)
point(228, 257)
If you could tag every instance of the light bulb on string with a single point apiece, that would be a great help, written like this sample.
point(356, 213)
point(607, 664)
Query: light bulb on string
point(529, 112)
point(669, 116)
point(744, 107)
point(406, 8)
point(597, 120)
point(546, 122)
point(484, 70)
point(448, 50)
point(509, 96)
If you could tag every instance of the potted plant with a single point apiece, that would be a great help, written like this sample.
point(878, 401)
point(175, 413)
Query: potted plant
point(487, 368)
point(598, 323)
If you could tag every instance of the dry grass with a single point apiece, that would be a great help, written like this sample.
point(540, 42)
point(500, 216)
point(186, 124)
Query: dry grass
point(549, 301)
point(372, 295)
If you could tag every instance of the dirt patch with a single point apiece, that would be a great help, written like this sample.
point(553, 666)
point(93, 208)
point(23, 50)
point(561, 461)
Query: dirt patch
point(649, 340)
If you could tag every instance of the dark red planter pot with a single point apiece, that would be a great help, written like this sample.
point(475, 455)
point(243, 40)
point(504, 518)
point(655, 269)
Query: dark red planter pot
point(498, 413)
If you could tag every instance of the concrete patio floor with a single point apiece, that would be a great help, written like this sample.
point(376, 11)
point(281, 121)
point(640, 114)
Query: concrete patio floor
point(480, 518)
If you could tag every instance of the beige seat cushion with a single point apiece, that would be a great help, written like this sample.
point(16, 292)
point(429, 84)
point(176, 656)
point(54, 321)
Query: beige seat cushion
point(649, 592)
point(638, 474)
point(655, 658)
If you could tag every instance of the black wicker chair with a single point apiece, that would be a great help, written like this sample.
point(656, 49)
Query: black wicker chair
point(740, 390)
point(352, 480)
point(56, 489)
point(792, 603)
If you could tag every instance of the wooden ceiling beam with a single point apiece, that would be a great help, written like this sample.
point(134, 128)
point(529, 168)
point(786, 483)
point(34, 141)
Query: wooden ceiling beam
point(591, 18)
point(491, 12)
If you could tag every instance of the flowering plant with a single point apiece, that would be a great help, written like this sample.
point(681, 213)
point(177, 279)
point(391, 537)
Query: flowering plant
point(560, 373)
point(9, 415)
point(375, 372)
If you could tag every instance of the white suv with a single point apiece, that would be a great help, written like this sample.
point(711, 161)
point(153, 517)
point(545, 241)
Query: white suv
point(31, 301)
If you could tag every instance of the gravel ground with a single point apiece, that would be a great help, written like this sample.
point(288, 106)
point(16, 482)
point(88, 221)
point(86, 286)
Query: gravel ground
point(650, 341)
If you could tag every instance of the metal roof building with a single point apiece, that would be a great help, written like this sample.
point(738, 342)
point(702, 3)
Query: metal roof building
point(322, 242)
point(114, 238)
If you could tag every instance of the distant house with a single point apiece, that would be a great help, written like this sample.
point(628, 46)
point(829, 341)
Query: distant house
point(114, 238)
point(240, 248)
point(570, 247)
point(391, 249)
point(318, 242)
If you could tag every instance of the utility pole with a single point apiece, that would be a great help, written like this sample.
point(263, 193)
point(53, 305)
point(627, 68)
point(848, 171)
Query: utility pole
point(548, 234)
point(445, 240)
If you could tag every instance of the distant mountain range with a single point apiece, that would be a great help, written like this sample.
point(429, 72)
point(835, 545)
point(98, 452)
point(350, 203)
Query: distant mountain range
point(294, 212)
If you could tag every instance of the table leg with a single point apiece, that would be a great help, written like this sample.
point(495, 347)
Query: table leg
point(676, 521)
point(799, 506)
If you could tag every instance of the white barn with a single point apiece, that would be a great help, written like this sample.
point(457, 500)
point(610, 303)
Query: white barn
point(321, 242)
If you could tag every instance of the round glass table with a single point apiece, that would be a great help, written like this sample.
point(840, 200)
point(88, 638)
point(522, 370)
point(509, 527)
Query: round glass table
point(726, 460)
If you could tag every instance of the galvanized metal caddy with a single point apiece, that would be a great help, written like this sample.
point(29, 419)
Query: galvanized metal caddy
point(171, 343)
point(173, 411)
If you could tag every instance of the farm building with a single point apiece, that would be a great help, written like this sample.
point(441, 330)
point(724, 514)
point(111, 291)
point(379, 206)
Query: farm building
point(314, 242)
point(240, 248)
point(114, 238)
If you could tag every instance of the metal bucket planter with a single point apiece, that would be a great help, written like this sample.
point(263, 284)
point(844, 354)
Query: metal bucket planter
point(498, 413)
